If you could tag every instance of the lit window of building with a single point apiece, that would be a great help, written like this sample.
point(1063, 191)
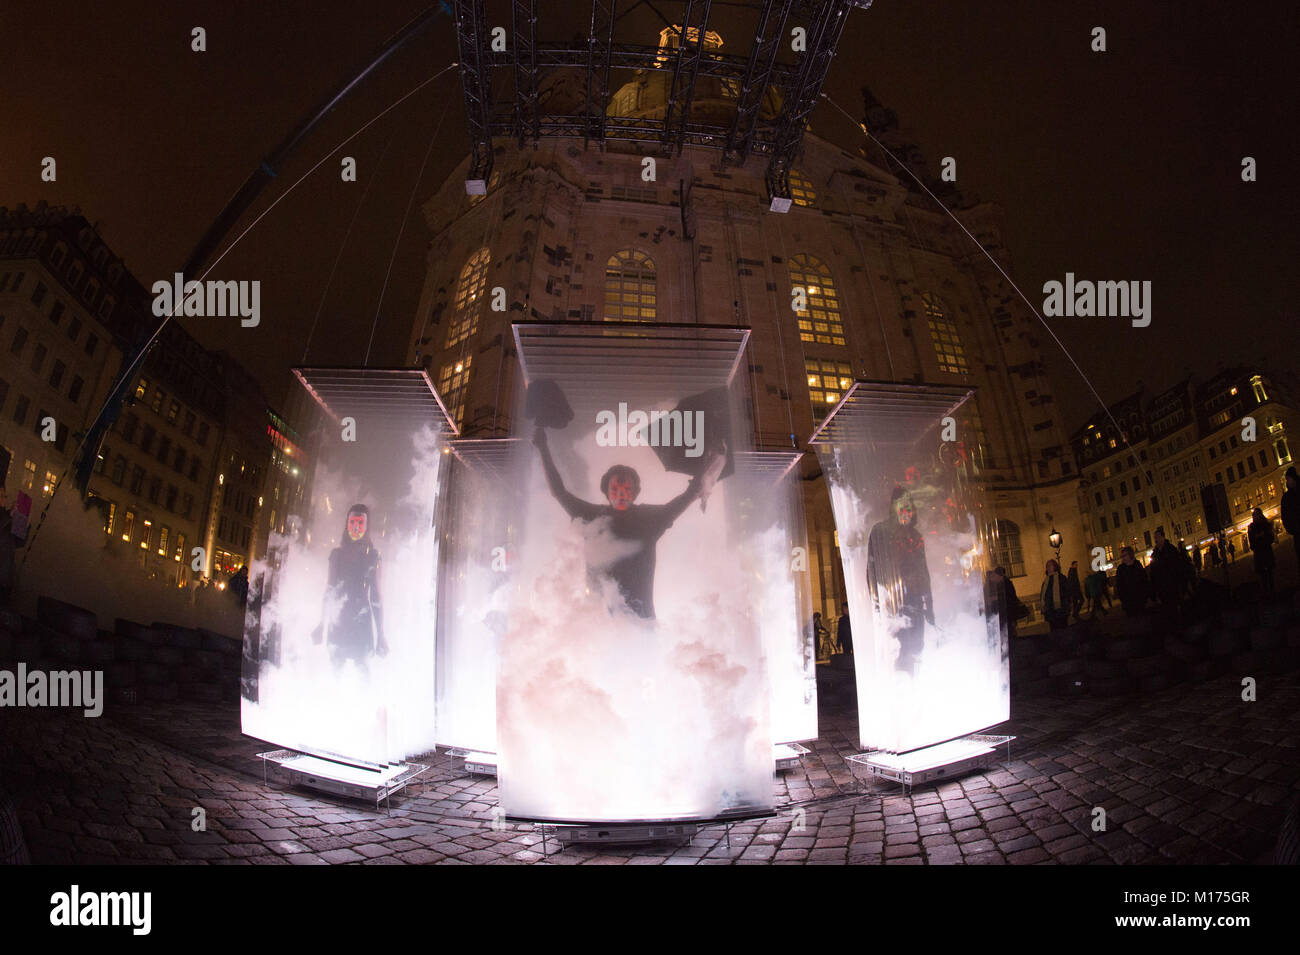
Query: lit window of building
point(451, 387)
point(801, 189)
point(827, 382)
point(943, 333)
point(630, 287)
point(820, 320)
point(469, 296)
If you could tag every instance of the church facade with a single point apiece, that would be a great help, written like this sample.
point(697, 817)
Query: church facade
point(892, 290)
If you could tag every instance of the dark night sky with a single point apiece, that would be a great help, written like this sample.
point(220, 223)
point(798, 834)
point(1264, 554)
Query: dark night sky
point(1123, 165)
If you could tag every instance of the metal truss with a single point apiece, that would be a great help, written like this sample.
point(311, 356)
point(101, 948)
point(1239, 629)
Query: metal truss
point(600, 50)
point(800, 96)
point(752, 74)
point(476, 81)
point(686, 66)
point(758, 76)
point(524, 46)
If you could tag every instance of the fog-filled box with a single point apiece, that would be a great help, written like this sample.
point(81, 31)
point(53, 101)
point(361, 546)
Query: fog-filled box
point(342, 611)
point(632, 679)
point(929, 654)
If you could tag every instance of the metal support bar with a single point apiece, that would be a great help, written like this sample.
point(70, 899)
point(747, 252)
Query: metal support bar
point(686, 65)
point(768, 36)
point(472, 46)
point(600, 48)
point(524, 45)
point(801, 97)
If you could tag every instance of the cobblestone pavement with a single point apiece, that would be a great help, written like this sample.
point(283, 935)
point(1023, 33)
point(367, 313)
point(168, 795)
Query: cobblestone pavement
point(1191, 775)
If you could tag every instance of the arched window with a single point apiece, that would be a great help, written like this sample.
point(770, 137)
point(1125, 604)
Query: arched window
point(1006, 548)
point(820, 320)
point(801, 189)
point(630, 287)
point(947, 345)
point(469, 294)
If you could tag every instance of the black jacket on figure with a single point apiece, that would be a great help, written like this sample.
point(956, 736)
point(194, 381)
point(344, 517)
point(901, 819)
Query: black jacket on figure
point(1291, 512)
point(1131, 586)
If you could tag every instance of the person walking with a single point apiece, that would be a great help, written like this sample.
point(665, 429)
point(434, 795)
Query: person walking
point(1076, 590)
point(844, 632)
point(1168, 571)
point(1131, 585)
point(1196, 559)
point(1096, 587)
point(1007, 601)
point(1055, 596)
point(821, 635)
point(1232, 552)
point(1291, 509)
point(1260, 536)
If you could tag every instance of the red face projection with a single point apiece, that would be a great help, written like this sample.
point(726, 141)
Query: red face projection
point(356, 526)
point(620, 493)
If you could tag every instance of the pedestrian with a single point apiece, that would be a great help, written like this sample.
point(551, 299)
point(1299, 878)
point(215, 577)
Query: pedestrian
point(6, 551)
point(1007, 601)
point(239, 585)
point(1214, 553)
point(1131, 585)
point(1261, 537)
point(1168, 571)
point(821, 635)
point(1076, 590)
point(1291, 509)
point(1096, 587)
point(1196, 559)
point(1232, 552)
point(844, 632)
point(1055, 596)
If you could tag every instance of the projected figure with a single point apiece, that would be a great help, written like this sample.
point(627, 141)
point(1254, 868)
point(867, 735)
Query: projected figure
point(641, 525)
point(357, 629)
point(898, 578)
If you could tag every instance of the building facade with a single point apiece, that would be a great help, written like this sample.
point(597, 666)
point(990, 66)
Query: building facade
point(862, 278)
point(1148, 474)
point(193, 423)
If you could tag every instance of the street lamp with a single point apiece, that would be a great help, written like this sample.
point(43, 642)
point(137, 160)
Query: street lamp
point(1054, 540)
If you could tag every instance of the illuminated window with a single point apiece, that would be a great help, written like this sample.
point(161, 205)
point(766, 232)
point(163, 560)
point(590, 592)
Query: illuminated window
point(801, 189)
point(29, 474)
point(51, 481)
point(827, 382)
point(1006, 548)
point(162, 540)
point(451, 386)
point(947, 345)
point(109, 518)
point(1257, 384)
point(128, 526)
point(142, 388)
point(1283, 453)
point(820, 320)
point(630, 287)
point(469, 295)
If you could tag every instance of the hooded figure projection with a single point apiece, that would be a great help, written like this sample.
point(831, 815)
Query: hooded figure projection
point(899, 580)
point(356, 630)
point(635, 527)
